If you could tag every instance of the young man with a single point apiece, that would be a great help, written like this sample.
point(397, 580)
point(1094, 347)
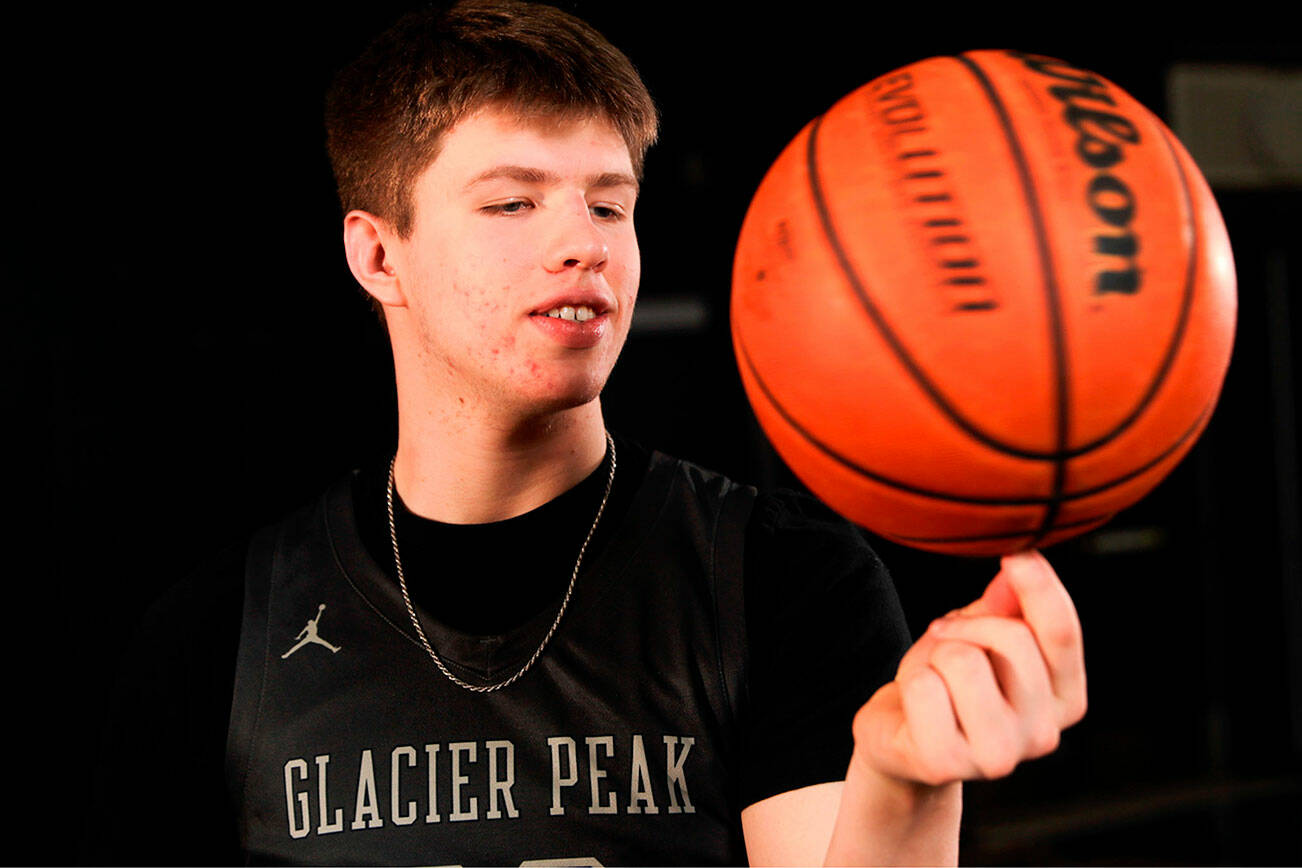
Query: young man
point(545, 642)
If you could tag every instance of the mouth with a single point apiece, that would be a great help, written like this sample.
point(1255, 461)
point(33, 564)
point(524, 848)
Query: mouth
point(574, 313)
point(574, 325)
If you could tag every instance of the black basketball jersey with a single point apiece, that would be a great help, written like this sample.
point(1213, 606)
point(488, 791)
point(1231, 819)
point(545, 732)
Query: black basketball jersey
point(619, 746)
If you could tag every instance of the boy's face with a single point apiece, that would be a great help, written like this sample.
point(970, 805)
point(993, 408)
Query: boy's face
point(513, 220)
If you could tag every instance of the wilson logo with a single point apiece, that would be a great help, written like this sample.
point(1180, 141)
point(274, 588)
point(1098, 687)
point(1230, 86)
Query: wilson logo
point(1102, 136)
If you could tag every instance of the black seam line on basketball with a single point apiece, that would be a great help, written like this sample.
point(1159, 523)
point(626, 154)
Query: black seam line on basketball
point(879, 321)
point(1182, 319)
point(1186, 303)
point(1049, 281)
point(1053, 507)
point(932, 173)
point(958, 263)
point(951, 239)
point(850, 464)
point(1033, 203)
point(1011, 535)
point(909, 155)
point(901, 541)
point(948, 221)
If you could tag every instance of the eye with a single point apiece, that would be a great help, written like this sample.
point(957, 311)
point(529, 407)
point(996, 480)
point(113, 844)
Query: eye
point(607, 212)
point(515, 206)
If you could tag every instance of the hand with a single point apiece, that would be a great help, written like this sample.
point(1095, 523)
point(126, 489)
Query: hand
point(987, 686)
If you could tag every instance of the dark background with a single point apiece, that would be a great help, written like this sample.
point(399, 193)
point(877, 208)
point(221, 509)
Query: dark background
point(193, 359)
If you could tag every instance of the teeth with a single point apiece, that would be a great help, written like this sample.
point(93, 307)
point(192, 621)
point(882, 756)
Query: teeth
point(582, 313)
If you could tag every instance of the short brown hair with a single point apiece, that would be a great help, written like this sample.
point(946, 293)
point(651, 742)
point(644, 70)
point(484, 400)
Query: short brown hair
point(387, 110)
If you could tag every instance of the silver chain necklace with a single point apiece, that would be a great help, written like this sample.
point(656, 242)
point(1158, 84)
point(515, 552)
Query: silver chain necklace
point(406, 598)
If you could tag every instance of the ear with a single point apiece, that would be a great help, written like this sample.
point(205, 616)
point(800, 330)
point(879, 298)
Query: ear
point(368, 244)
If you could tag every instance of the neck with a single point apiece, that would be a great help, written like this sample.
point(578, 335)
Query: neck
point(464, 469)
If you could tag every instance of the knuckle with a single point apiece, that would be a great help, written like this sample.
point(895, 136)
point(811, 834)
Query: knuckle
point(915, 682)
point(995, 765)
point(1076, 708)
point(960, 657)
point(918, 652)
point(1044, 739)
point(1062, 636)
point(997, 755)
point(1020, 631)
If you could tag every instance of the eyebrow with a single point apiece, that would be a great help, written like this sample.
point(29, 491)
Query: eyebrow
point(529, 175)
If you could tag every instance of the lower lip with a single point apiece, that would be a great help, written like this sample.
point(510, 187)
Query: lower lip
point(572, 333)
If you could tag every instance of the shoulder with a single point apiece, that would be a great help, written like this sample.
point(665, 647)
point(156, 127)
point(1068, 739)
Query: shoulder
point(783, 511)
point(706, 484)
point(790, 529)
point(215, 584)
point(800, 558)
point(783, 527)
point(193, 626)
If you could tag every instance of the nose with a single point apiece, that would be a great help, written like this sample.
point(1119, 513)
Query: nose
point(576, 242)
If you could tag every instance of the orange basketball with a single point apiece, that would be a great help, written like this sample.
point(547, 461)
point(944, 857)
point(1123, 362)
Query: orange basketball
point(983, 303)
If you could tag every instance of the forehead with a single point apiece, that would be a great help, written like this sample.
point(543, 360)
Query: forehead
point(566, 147)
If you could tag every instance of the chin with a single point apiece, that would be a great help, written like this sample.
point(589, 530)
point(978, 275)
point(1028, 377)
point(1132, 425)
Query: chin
point(567, 395)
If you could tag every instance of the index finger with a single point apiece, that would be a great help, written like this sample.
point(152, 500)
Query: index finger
point(1049, 611)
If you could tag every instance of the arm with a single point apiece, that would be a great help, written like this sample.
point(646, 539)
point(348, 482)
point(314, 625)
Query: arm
point(985, 688)
point(901, 825)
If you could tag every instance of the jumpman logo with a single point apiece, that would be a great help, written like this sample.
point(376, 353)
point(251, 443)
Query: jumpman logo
point(309, 634)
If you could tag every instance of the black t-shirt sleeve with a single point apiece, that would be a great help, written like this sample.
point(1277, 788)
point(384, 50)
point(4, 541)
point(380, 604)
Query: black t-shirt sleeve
point(159, 794)
point(825, 630)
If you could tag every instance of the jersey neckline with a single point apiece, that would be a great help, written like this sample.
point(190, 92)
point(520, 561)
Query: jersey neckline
point(490, 659)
